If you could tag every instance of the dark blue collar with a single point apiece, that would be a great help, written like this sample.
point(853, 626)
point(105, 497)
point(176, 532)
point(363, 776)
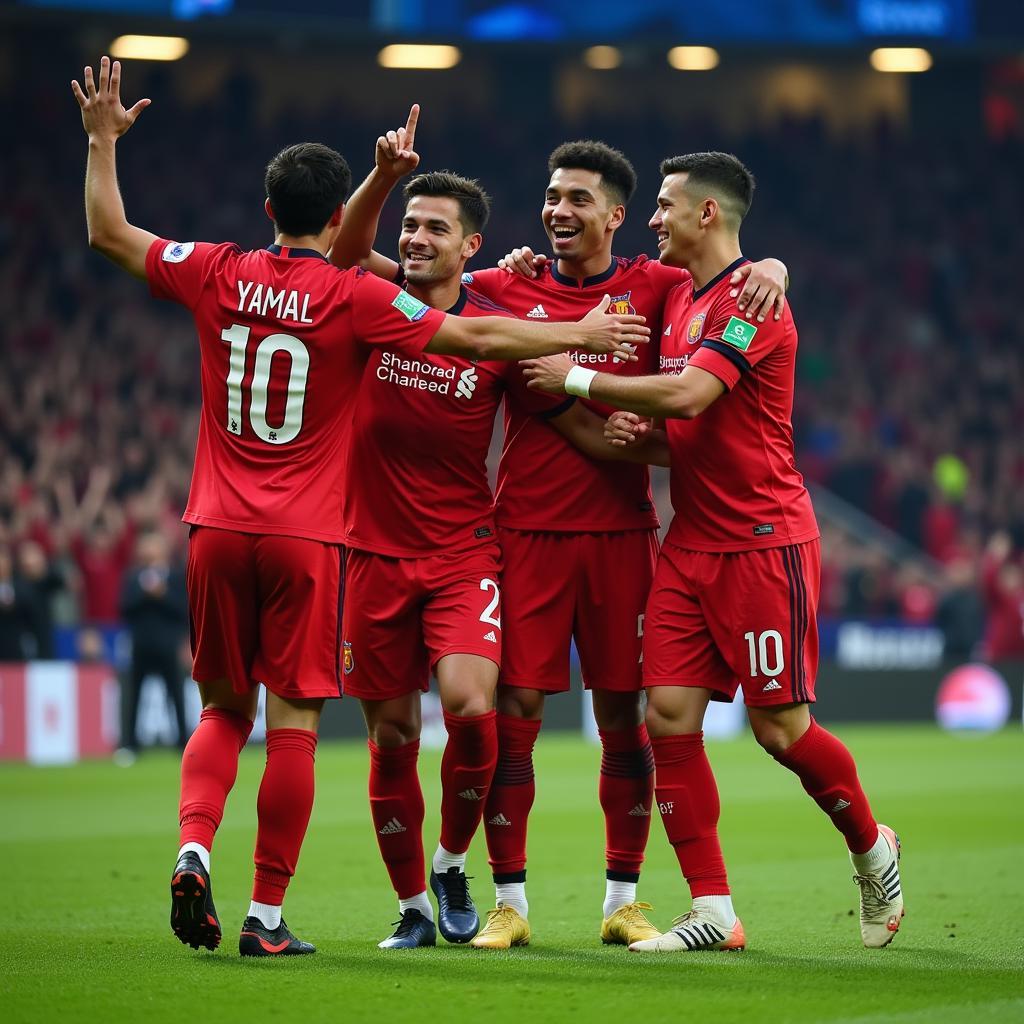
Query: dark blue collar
point(295, 254)
point(572, 282)
point(698, 292)
point(460, 303)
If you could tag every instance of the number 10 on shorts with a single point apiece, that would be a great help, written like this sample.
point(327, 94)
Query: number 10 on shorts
point(765, 651)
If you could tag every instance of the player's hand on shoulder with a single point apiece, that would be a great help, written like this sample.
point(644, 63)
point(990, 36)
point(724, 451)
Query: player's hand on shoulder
point(764, 289)
point(396, 154)
point(524, 262)
point(103, 114)
point(547, 373)
point(624, 428)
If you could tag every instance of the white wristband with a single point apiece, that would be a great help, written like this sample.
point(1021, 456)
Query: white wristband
point(578, 381)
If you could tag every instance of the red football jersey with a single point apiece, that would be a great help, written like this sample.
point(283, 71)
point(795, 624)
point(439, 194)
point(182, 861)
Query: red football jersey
point(545, 482)
point(278, 341)
point(735, 486)
point(422, 426)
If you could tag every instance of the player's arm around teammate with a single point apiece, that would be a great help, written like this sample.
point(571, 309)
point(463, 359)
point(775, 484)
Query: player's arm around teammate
point(764, 283)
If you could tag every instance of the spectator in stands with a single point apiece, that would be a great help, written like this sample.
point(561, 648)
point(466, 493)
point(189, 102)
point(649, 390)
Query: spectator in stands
point(1003, 587)
point(15, 612)
point(960, 613)
point(154, 606)
point(43, 582)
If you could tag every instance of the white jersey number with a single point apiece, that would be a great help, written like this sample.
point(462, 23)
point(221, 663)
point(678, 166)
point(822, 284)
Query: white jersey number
point(759, 653)
point(237, 337)
point(488, 613)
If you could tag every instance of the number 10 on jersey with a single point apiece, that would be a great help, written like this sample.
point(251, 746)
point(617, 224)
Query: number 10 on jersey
point(237, 336)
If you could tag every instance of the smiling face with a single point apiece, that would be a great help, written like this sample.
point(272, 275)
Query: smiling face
point(579, 216)
point(433, 245)
point(677, 221)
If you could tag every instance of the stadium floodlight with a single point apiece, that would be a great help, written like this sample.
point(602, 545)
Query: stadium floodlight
point(603, 58)
point(149, 47)
point(901, 58)
point(693, 58)
point(419, 55)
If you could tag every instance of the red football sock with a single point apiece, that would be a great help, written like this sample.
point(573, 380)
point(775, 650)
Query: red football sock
point(283, 807)
point(467, 769)
point(396, 805)
point(829, 774)
point(626, 790)
point(511, 797)
point(209, 765)
point(688, 800)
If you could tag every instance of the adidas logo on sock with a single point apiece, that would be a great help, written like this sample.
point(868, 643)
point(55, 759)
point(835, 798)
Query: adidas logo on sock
point(498, 819)
point(392, 828)
point(639, 812)
point(490, 636)
point(537, 313)
point(470, 794)
point(772, 684)
point(841, 805)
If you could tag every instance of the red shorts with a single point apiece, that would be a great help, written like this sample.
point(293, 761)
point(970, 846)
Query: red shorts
point(591, 586)
point(403, 615)
point(747, 619)
point(266, 609)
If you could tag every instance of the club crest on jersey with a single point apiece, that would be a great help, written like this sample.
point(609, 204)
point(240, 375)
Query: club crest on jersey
point(177, 252)
point(695, 329)
point(347, 661)
point(621, 305)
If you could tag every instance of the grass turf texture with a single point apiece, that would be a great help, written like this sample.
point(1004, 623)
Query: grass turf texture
point(87, 854)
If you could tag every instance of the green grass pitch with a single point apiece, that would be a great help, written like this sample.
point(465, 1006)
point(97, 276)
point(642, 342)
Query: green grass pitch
point(87, 853)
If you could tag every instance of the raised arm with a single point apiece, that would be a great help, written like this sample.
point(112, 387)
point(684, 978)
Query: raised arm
point(502, 338)
point(394, 157)
point(665, 396)
point(105, 120)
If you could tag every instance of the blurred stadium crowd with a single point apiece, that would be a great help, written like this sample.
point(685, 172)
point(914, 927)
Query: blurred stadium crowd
point(903, 258)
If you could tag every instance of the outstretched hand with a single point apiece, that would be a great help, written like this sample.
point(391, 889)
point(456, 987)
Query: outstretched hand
point(396, 154)
point(103, 114)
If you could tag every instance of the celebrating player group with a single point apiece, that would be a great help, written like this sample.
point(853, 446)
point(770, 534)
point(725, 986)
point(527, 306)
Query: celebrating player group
point(344, 539)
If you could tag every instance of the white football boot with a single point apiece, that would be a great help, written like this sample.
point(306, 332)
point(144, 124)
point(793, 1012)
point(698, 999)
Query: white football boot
point(694, 931)
point(881, 898)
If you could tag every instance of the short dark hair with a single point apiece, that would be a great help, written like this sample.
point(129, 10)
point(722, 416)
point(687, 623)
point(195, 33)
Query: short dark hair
point(474, 202)
point(722, 172)
point(617, 174)
point(305, 184)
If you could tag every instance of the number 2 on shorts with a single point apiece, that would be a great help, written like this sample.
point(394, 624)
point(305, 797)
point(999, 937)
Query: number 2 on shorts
point(487, 615)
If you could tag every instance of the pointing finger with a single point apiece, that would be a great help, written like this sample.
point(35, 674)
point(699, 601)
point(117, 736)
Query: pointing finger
point(410, 125)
